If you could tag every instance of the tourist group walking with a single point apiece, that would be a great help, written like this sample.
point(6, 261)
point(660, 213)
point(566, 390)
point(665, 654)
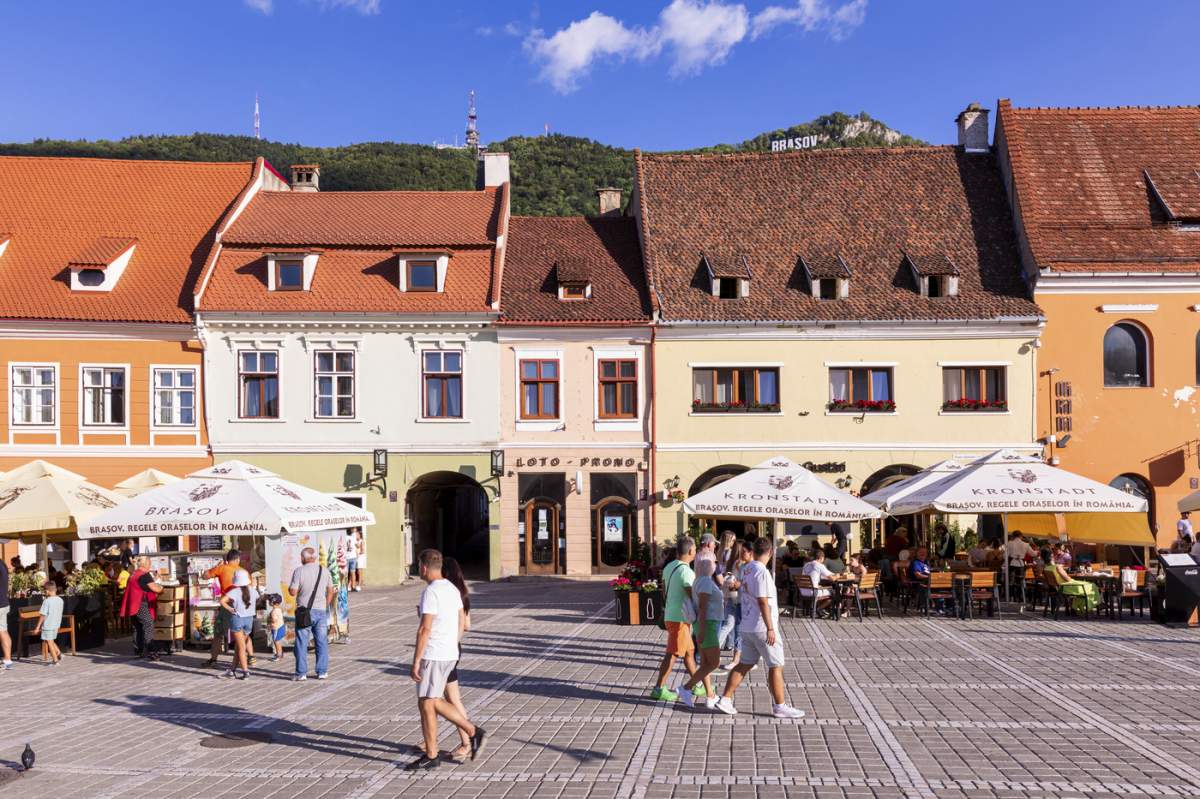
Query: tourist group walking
point(713, 597)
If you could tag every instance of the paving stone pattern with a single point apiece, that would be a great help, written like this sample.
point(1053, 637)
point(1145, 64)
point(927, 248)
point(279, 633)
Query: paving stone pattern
point(899, 707)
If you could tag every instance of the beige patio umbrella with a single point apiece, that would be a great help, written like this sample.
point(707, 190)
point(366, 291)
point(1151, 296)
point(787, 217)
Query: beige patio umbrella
point(143, 481)
point(41, 502)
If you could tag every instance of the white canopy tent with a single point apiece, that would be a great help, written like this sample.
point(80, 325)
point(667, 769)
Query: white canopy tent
point(41, 502)
point(1043, 499)
point(780, 489)
point(231, 498)
point(143, 481)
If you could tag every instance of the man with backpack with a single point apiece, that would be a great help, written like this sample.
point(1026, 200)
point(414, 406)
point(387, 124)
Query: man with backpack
point(679, 613)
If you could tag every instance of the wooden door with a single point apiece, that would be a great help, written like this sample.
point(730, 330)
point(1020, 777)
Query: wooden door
point(541, 537)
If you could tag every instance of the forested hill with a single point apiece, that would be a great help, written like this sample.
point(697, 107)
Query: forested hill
point(552, 175)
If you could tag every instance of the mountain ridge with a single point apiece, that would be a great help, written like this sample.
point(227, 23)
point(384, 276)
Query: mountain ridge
point(554, 175)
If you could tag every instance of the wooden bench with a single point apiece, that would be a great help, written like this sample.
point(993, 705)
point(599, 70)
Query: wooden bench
point(28, 621)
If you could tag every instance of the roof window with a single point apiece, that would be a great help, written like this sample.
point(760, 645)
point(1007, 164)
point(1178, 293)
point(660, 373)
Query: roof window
point(1177, 193)
point(828, 276)
point(101, 264)
point(728, 275)
point(574, 279)
point(291, 271)
point(935, 273)
point(423, 272)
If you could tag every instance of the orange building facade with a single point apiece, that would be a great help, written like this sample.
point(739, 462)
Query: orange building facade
point(1108, 217)
point(100, 368)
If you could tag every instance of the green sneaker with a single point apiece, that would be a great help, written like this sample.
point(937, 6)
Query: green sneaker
point(660, 694)
point(698, 691)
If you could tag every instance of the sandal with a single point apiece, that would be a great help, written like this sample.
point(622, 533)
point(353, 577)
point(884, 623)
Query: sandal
point(460, 753)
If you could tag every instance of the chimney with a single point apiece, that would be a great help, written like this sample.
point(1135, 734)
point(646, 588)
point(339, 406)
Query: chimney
point(973, 128)
point(491, 170)
point(306, 177)
point(610, 201)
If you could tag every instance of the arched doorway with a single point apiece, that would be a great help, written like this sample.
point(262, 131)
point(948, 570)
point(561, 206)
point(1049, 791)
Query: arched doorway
point(882, 478)
point(449, 512)
point(745, 529)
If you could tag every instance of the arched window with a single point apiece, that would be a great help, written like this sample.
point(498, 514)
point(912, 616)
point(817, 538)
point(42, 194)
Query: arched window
point(1139, 487)
point(1198, 358)
point(1126, 356)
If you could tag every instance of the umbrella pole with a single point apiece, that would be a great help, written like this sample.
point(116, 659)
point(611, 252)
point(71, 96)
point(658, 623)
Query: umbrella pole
point(45, 555)
point(1007, 593)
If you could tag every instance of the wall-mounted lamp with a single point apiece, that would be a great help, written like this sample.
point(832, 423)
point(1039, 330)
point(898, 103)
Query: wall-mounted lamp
point(497, 463)
point(671, 482)
point(844, 482)
point(380, 458)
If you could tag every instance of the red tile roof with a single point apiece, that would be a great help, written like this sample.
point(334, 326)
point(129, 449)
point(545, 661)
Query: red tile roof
point(608, 246)
point(57, 209)
point(867, 205)
point(103, 251)
point(348, 280)
point(369, 219)
point(358, 235)
point(1080, 185)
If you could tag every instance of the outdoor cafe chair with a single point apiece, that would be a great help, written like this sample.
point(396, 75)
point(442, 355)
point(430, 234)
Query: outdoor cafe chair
point(28, 621)
point(940, 587)
point(866, 590)
point(810, 592)
point(1139, 595)
point(982, 589)
point(904, 586)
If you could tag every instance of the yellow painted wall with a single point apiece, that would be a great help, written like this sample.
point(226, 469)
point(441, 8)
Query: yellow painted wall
point(1152, 432)
point(804, 392)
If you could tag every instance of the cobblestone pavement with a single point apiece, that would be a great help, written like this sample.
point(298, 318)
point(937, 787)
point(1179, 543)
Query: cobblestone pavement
point(903, 707)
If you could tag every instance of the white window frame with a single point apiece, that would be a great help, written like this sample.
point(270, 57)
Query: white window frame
point(155, 368)
point(615, 425)
point(335, 417)
point(106, 427)
point(12, 399)
point(539, 425)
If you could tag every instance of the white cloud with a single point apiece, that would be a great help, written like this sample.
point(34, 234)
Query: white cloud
point(365, 7)
point(812, 15)
point(512, 29)
point(695, 33)
point(484, 30)
point(701, 35)
point(262, 6)
point(569, 54)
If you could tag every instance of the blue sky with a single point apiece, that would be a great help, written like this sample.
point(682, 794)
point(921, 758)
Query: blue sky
point(659, 74)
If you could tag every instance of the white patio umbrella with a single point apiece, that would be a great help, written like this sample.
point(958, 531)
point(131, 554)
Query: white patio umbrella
point(780, 489)
point(1190, 503)
point(143, 481)
point(888, 496)
point(231, 498)
point(41, 502)
point(1037, 495)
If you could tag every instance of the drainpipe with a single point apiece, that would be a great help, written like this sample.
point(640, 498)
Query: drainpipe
point(653, 406)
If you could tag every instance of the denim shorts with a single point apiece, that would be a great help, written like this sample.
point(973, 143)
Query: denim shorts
point(241, 624)
point(352, 564)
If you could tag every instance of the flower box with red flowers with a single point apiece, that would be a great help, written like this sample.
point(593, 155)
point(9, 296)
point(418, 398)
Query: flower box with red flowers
point(737, 406)
point(861, 406)
point(969, 405)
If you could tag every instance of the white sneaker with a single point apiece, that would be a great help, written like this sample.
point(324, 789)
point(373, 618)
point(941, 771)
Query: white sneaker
point(711, 703)
point(725, 705)
point(687, 697)
point(786, 712)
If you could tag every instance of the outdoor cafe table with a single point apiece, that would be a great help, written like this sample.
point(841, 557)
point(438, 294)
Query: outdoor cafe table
point(1108, 584)
point(837, 585)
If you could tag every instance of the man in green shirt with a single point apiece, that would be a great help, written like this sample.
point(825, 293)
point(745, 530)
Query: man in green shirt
point(677, 579)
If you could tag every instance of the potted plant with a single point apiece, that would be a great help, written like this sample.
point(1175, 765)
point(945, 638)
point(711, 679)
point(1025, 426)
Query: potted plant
point(861, 406)
point(631, 588)
point(965, 404)
point(626, 599)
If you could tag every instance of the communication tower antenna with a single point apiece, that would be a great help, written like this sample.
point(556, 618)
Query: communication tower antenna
point(257, 128)
point(472, 117)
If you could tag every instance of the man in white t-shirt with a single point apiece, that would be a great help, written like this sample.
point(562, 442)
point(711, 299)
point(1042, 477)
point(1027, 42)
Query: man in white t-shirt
point(760, 634)
point(1183, 528)
point(436, 653)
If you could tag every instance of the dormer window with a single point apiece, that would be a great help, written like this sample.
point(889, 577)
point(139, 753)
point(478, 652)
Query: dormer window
point(422, 271)
point(828, 276)
point(574, 279)
point(728, 275)
point(289, 275)
point(935, 274)
point(422, 275)
point(1177, 192)
point(101, 264)
point(291, 271)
